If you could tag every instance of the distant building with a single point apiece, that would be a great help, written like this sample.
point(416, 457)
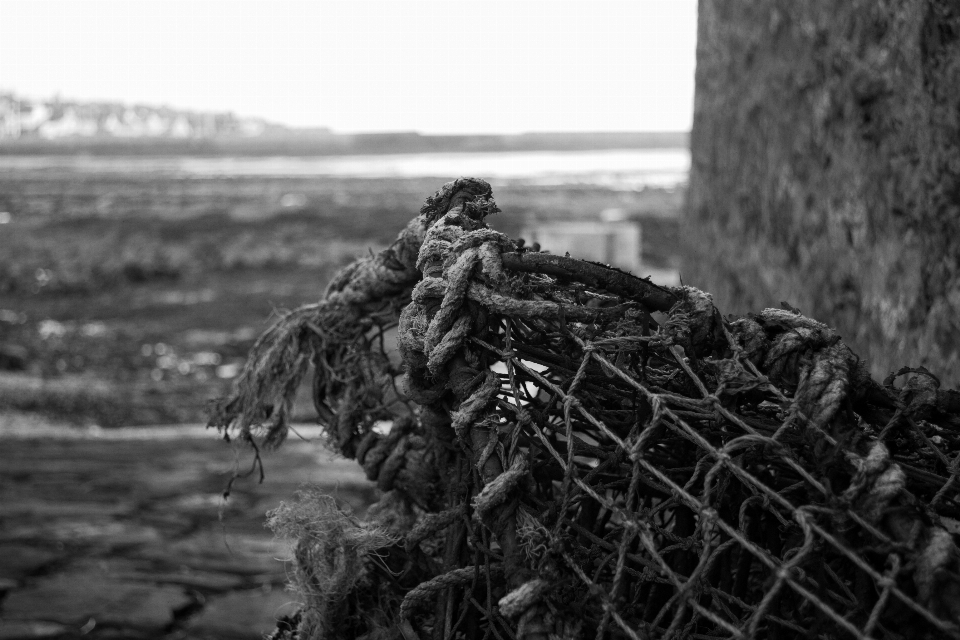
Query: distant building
point(69, 124)
point(251, 127)
point(613, 242)
point(112, 125)
point(134, 125)
point(9, 117)
point(33, 115)
point(155, 126)
point(56, 118)
point(181, 128)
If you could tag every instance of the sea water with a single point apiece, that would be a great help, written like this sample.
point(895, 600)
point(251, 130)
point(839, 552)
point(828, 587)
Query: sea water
point(615, 168)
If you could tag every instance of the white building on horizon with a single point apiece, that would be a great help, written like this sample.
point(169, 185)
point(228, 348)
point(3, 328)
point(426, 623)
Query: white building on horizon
point(71, 123)
point(9, 117)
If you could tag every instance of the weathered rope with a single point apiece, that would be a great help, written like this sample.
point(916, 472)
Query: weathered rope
point(561, 465)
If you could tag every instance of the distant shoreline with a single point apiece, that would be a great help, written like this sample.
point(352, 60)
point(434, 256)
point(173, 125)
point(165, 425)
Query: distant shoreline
point(312, 143)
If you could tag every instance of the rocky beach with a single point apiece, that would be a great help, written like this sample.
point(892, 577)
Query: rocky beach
point(125, 533)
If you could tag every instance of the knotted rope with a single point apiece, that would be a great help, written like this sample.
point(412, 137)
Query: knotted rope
point(562, 464)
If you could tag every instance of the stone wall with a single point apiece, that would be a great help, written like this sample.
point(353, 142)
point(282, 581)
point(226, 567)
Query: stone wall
point(826, 170)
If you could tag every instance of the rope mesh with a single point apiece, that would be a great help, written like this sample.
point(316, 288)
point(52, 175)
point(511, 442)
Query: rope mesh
point(577, 452)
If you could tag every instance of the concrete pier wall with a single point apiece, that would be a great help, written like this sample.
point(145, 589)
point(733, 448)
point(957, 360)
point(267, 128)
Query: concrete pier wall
point(826, 170)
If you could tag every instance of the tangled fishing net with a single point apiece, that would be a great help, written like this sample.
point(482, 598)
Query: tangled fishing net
point(579, 453)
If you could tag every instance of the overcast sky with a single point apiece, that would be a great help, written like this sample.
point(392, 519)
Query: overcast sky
point(436, 66)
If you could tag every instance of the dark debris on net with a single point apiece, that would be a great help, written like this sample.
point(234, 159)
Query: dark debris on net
point(579, 453)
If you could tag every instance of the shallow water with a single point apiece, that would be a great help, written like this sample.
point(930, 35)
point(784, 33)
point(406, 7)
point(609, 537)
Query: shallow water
point(616, 168)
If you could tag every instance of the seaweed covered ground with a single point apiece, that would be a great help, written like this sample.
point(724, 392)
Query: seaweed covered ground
point(131, 299)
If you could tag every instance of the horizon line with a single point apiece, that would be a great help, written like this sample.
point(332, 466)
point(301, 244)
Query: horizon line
point(57, 97)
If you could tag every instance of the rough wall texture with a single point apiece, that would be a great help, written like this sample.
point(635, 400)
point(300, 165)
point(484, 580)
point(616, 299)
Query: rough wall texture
point(826, 169)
